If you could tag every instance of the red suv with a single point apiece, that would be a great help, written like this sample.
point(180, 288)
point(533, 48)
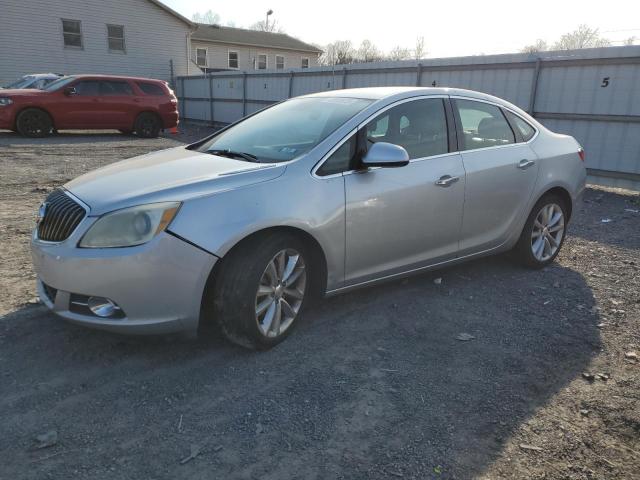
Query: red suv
point(90, 102)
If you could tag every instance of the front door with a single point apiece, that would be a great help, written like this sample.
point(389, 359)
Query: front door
point(399, 219)
point(82, 108)
point(501, 174)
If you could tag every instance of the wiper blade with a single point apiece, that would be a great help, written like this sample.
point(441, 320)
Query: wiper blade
point(233, 154)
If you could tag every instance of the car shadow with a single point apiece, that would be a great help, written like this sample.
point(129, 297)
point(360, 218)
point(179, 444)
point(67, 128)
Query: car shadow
point(72, 136)
point(613, 218)
point(394, 380)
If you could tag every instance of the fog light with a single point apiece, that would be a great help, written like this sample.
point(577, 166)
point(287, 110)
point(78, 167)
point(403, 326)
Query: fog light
point(102, 307)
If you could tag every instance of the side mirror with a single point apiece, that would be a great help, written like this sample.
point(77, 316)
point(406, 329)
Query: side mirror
point(383, 154)
point(70, 91)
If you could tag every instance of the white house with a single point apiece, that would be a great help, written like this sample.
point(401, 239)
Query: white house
point(122, 37)
point(215, 47)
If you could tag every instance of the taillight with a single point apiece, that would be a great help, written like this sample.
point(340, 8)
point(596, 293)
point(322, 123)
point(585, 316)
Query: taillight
point(581, 153)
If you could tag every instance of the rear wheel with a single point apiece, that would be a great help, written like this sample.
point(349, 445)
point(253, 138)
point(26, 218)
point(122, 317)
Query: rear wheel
point(34, 123)
point(544, 233)
point(147, 125)
point(261, 289)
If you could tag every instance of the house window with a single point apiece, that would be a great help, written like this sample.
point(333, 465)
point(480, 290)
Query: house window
point(201, 57)
point(72, 33)
point(233, 59)
point(115, 38)
point(279, 62)
point(262, 62)
point(305, 62)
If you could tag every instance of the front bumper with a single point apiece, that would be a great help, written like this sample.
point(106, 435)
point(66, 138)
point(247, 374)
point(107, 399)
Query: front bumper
point(158, 285)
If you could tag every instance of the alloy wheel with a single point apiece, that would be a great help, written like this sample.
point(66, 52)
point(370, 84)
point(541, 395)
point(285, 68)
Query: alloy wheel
point(547, 232)
point(280, 292)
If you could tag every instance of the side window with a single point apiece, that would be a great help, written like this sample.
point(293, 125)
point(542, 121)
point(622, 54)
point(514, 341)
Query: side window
point(340, 160)
point(115, 88)
point(87, 87)
point(526, 130)
point(420, 126)
point(483, 125)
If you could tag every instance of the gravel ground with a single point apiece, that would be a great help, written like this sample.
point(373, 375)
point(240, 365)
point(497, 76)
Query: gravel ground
point(373, 384)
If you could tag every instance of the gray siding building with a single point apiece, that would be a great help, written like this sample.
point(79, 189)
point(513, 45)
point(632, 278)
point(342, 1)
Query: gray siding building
point(126, 37)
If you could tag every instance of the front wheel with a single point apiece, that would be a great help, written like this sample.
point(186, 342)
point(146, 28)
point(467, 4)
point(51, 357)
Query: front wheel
point(261, 289)
point(34, 123)
point(544, 233)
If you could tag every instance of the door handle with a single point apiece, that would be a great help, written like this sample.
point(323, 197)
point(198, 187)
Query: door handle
point(446, 181)
point(524, 164)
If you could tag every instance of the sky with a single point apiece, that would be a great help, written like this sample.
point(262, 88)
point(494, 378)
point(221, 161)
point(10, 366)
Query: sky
point(454, 28)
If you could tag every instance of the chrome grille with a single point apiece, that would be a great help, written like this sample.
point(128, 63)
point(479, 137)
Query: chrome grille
point(61, 217)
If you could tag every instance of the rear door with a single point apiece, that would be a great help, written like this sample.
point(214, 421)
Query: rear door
point(501, 171)
point(117, 104)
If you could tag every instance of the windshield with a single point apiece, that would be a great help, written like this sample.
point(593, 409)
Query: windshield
point(61, 82)
point(22, 83)
point(286, 130)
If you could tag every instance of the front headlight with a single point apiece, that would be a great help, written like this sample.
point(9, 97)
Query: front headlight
point(5, 101)
point(130, 226)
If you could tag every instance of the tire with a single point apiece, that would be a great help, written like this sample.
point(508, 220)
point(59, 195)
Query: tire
point(246, 270)
point(147, 125)
point(530, 250)
point(34, 123)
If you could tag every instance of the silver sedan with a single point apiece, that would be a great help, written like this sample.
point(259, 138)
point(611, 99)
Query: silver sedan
point(313, 196)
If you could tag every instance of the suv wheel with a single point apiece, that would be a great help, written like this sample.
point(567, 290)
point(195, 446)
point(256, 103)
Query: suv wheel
point(261, 289)
point(34, 123)
point(544, 232)
point(147, 125)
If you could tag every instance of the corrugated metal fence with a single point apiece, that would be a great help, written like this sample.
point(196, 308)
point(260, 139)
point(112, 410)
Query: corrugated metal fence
point(592, 94)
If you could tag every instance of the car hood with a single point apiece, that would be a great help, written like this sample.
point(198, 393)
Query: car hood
point(22, 91)
point(176, 174)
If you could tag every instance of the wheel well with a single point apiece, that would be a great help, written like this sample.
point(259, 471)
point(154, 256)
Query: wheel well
point(155, 114)
point(564, 195)
point(319, 260)
point(15, 122)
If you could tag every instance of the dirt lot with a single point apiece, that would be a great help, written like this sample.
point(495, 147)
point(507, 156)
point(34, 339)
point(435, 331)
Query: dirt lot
point(374, 384)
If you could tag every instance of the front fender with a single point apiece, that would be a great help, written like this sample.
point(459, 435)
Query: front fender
point(218, 222)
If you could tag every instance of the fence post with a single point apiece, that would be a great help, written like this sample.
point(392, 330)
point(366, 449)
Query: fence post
point(290, 84)
point(344, 77)
point(534, 86)
point(182, 96)
point(419, 75)
point(244, 94)
point(211, 97)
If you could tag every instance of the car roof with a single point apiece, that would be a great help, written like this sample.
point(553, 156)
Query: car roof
point(383, 93)
point(115, 77)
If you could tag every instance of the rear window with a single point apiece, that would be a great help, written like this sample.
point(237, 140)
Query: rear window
point(151, 88)
point(523, 126)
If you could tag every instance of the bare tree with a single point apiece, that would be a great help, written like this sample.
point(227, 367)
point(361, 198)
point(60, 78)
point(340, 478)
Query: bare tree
point(419, 51)
point(538, 46)
point(583, 37)
point(272, 27)
point(208, 17)
point(399, 53)
point(368, 52)
point(629, 41)
point(339, 52)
